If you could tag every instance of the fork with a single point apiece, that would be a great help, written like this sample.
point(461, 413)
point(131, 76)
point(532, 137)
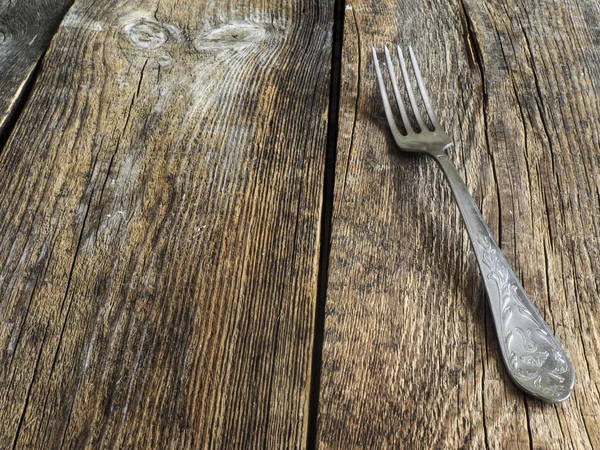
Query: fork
point(534, 359)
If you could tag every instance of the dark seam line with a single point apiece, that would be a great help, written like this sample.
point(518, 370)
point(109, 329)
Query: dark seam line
point(18, 107)
point(326, 218)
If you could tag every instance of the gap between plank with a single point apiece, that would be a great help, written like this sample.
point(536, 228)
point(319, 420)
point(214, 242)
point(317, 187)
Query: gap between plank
point(17, 109)
point(326, 219)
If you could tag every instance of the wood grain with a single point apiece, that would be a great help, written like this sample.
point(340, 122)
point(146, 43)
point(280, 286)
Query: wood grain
point(410, 357)
point(26, 28)
point(159, 228)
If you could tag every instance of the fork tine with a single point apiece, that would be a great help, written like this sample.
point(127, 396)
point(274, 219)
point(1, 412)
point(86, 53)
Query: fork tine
point(399, 101)
point(386, 104)
point(411, 94)
point(434, 118)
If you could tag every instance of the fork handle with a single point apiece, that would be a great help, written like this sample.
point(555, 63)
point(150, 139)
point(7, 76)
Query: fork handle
point(534, 359)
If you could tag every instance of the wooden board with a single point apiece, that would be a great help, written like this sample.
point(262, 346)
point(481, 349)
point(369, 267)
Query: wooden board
point(410, 357)
point(159, 228)
point(26, 28)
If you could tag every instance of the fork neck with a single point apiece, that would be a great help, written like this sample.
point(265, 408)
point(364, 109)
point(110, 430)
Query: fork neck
point(470, 211)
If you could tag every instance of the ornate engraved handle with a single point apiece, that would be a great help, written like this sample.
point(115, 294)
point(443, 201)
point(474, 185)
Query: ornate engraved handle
point(534, 359)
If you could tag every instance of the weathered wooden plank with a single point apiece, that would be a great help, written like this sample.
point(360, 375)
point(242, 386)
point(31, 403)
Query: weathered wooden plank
point(159, 225)
point(26, 28)
point(409, 358)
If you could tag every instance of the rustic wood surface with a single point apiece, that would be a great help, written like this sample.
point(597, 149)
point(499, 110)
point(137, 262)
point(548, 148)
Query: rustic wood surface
point(26, 28)
point(164, 204)
point(410, 358)
point(160, 210)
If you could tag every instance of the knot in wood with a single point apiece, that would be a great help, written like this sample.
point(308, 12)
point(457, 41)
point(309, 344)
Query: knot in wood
point(231, 36)
point(2, 36)
point(146, 35)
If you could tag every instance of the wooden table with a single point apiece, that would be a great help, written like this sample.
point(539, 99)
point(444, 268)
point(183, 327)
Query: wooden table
point(209, 240)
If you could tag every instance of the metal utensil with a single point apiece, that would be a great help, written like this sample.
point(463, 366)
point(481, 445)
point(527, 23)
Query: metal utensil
point(534, 359)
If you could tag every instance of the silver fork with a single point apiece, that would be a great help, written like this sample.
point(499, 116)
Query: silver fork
point(534, 359)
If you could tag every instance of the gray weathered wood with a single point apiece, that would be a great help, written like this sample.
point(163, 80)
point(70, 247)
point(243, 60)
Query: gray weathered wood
point(159, 225)
point(26, 28)
point(410, 359)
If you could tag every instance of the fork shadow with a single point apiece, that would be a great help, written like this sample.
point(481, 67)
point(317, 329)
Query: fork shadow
point(425, 202)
